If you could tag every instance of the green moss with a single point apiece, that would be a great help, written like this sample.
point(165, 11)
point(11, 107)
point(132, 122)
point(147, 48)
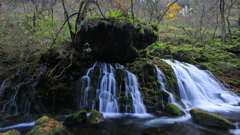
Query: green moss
point(174, 110)
point(46, 126)
point(95, 117)
point(165, 95)
point(79, 117)
point(91, 90)
point(11, 132)
point(42, 120)
point(97, 99)
point(208, 119)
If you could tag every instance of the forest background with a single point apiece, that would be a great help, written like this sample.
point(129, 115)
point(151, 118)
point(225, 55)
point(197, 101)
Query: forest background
point(201, 32)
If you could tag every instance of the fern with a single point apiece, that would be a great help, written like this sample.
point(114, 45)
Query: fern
point(141, 31)
point(114, 14)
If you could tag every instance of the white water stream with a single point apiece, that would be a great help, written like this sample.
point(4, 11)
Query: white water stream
point(199, 89)
point(12, 103)
point(107, 89)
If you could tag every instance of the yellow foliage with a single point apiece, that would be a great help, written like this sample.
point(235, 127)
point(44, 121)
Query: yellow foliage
point(2, 17)
point(174, 28)
point(30, 15)
point(172, 12)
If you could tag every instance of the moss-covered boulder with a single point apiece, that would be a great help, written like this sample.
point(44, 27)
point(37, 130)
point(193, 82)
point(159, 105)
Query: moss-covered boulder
point(212, 120)
point(174, 110)
point(11, 132)
point(46, 126)
point(95, 117)
point(80, 117)
point(112, 40)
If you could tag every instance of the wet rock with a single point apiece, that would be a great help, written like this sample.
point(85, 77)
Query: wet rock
point(212, 120)
point(80, 117)
point(113, 41)
point(203, 67)
point(174, 110)
point(95, 117)
point(46, 126)
point(11, 132)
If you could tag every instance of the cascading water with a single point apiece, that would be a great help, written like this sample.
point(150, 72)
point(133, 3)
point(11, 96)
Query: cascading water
point(107, 91)
point(3, 87)
point(199, 89)
point(12, 105)
point(162, 79)
point(132, 88)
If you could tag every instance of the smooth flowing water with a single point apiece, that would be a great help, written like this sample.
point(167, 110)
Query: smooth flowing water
point(200, 89)
point(11, 106)
point(107, 91)
point(3, 87)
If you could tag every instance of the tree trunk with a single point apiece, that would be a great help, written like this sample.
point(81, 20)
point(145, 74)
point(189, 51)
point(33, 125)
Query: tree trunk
point(222, 9)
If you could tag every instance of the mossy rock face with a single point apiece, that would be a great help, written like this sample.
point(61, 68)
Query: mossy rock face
point(95, 117)
point(80, 117)
point(11, 132)
point(212, 120)
point(153, 97)
point(174, 110)
point(46, 126)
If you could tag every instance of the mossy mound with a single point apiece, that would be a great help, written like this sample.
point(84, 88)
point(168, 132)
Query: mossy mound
point(11, 132)
point(212, 120)
point(46, 126)
point(113, 41)
point(95, 117)
point(79, 117)
point(174, 110)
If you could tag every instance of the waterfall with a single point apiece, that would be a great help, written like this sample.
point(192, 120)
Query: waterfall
point(162, 79)
point(132, 88)
point(3, 87)
point(12, 104)
point(108, 90)
point(200, 89)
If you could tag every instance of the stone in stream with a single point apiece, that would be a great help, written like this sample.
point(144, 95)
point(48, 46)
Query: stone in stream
point(212, 120)
point(95, 117)
point(174, 110)
point(80, 117)
point(46, 126)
